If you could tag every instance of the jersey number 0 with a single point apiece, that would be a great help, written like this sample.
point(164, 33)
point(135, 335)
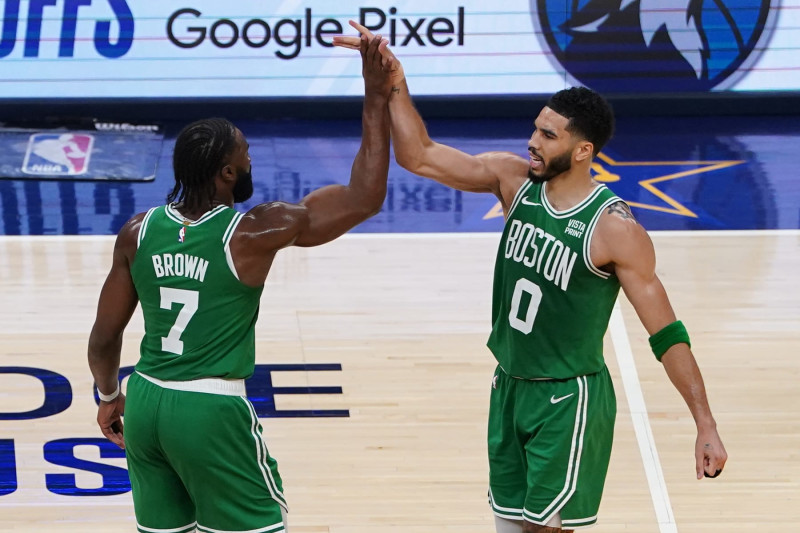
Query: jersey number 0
point(524, 324)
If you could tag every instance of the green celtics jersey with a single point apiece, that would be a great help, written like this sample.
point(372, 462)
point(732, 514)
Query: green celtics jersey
point(551, 305)
point(198, 316)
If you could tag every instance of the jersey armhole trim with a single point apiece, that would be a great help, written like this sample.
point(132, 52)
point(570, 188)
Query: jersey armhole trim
point(143, 226)
point(226, 242)
point(587, 243)
point(522, 190)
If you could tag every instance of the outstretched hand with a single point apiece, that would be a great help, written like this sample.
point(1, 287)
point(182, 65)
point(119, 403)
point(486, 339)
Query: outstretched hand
point(387, 56)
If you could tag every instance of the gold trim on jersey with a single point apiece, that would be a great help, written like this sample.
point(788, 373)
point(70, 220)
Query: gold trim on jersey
point(175, 215)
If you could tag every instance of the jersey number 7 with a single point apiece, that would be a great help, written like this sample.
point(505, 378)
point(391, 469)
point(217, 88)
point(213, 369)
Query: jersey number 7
point(172, 342)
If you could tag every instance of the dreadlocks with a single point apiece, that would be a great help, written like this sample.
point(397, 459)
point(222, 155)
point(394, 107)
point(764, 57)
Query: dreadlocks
point(201, 150)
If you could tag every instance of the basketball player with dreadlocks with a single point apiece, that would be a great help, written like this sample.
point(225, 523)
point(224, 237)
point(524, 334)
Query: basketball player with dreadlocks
point(197, 266)
point(568, 246)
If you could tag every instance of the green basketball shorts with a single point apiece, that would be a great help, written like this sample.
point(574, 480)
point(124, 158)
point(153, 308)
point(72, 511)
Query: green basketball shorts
point(197, 460)
point(549, 447)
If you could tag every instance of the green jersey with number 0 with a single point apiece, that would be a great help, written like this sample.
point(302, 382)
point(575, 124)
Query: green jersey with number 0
point(551, 305)
point(198, 317)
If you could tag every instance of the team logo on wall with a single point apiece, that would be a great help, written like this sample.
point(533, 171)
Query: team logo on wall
point(58, 154)
point(654, 45)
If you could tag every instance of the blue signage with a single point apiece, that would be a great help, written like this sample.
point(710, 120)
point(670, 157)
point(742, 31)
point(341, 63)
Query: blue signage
point(616, 46)
point(25, 19)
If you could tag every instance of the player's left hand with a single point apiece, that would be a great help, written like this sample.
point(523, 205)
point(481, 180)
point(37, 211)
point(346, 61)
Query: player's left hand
point(710, 455)
point(354, 43)
point(109, 418)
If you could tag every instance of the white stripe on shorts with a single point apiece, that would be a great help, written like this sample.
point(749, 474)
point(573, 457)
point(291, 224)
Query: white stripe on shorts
point(274, 528)
point(573, 466)
point(225, 387)
point(261, 457)
point(185, 529)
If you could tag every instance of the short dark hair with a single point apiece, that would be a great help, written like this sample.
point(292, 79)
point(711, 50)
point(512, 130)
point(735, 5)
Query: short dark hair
point(590, 115)
point(201, 150)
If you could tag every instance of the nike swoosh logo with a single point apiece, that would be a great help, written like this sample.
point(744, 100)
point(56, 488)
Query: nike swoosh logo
point(555, 400)
point(526, 202)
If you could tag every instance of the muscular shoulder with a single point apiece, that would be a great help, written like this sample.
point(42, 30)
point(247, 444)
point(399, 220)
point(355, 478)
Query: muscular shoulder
point(273, 215)
point(511, 172)
point(272, 225)
point(131, 227)
point(619, 238)
point(128, 236)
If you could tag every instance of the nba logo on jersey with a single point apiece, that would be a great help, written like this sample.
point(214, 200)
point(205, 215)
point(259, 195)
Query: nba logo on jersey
point(182, 234)
point(58, 154)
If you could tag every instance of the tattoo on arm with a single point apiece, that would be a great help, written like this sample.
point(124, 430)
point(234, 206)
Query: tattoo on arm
point(622, 210)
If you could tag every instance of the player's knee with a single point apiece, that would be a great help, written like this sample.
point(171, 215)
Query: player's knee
point(504, 525)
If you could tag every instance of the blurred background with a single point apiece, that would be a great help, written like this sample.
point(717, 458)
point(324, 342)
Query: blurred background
point(94, 92)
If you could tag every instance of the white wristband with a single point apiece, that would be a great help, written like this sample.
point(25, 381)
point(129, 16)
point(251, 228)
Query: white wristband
point(108, 397)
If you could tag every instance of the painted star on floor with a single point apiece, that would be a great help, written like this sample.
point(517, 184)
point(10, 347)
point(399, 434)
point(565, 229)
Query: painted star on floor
point(608, 170)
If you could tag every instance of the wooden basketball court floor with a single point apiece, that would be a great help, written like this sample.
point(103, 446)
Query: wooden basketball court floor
point(407, 318)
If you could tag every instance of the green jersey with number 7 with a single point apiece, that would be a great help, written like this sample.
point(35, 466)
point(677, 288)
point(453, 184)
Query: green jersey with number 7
point(198, 316)
point(551, 305)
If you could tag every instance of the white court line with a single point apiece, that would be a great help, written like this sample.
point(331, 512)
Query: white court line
point(641, 423)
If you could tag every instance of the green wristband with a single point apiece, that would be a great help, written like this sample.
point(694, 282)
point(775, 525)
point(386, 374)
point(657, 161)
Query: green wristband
point(668, 337)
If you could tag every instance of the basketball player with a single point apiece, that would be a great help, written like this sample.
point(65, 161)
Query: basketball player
point(195, 454)
point(568, 245)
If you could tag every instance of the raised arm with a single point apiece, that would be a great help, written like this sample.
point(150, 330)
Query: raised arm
point(416, 152)
point(331, 211)
point(621, 241)
point(117, 303)
point(335, 209)
point(500, 173)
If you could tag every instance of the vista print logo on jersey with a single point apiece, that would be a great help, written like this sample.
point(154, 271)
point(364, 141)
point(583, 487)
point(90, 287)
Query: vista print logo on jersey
point(655, 45)
point(58, 154)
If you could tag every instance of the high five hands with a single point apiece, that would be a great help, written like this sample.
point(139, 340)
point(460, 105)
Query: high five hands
point(388, 59)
